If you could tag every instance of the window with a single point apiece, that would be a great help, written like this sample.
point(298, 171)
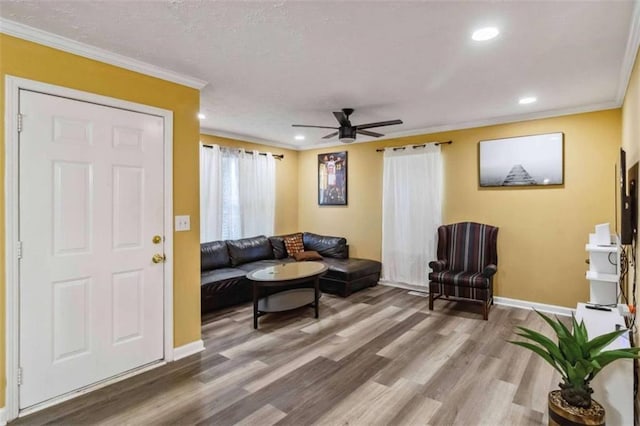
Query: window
point(237, 193)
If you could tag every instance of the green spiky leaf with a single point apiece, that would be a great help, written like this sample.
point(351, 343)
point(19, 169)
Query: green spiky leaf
point(540, 351)
point(598, 343)
point(542, 340)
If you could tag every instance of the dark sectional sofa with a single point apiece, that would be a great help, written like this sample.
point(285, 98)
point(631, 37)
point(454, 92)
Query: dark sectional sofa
point(225, 264)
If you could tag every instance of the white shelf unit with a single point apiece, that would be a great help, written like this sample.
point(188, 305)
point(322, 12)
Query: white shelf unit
point(604, 271)
point(613, 387)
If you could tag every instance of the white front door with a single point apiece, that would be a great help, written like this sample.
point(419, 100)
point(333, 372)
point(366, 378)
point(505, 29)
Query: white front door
point(90, 201)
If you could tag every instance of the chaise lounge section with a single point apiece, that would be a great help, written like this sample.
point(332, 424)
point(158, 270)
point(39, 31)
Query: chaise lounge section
point(225, 265)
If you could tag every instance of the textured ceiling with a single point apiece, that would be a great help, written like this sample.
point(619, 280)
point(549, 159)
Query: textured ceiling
point(272, 64)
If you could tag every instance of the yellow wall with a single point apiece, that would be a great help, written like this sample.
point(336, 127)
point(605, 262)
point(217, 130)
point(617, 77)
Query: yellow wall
point(286, 180)
point(36, 62)
point(542, 230)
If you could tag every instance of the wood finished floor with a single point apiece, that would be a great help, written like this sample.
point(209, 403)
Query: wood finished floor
point(379, 357)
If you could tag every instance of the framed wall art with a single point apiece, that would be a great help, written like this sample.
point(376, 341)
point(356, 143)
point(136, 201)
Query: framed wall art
point(536, 160)
point(332, 179)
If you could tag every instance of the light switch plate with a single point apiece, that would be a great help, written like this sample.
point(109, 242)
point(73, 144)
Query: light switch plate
point(183, 223)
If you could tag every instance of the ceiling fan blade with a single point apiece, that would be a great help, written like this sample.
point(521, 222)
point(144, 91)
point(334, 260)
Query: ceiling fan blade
point(315, 127)
point(330, 135)
point(368, 133)
point(342, 118)
point(378, 124)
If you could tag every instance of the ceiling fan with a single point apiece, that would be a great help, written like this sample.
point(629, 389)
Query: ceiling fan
point(347, 132)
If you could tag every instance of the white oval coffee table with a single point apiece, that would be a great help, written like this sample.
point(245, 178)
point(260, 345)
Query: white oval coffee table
point(285, 275)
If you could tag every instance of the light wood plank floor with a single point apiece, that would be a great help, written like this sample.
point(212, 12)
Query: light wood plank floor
point(379, 357)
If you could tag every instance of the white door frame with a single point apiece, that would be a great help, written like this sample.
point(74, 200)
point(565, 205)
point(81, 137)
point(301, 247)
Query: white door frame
point(12, 283)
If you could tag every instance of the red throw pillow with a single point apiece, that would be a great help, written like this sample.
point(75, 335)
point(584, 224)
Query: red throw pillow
point(293, 244)
point(307, 255)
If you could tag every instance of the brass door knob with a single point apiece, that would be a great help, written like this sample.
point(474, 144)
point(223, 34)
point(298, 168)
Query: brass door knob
point(157, 239)
point(158, 258)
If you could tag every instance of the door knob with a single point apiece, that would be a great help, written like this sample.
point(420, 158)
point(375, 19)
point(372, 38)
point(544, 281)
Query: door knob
point(157, 239)
point(158, 258)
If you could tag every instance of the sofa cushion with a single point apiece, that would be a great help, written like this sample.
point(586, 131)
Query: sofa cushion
point(222, 277)
point(307, 255)
point(465, 279)
point(294, 244)
point(327, 246)
point(277, 243)
point(214, 255)
point(351, 269)
point(249, 250)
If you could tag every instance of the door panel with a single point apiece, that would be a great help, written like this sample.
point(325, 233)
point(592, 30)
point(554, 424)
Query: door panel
point(91, 200)
point(72, 204)
point(71, 319)
point(127, 306)
point(128, 212)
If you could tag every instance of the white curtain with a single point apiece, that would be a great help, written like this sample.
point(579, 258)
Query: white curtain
point(237, 193)
point(257, 194)
point(210, 193)
point(411, 213)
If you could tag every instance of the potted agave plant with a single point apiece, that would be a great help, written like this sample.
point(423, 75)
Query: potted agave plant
point(578, 360)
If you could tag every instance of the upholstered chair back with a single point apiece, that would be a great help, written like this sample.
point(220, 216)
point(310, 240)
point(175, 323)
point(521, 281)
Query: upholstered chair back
point(468, 246)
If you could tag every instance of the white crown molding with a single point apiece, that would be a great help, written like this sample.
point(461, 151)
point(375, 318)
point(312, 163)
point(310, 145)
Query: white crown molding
point(188, 349)
point(35, 35)
point(633, 43)
point(245, 138)
point(503, 120)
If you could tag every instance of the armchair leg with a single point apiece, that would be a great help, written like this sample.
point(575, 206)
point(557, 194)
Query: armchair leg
point(485, 310)
point(430, 301)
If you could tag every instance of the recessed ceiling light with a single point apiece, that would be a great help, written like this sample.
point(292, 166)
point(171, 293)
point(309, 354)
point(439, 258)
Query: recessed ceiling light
point(484, 34)
point(201, 116)
point(299, 137)
point(527, 100)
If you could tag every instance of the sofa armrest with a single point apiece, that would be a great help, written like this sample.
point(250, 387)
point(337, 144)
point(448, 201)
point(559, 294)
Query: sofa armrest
point(489, 270)
point(438, 265)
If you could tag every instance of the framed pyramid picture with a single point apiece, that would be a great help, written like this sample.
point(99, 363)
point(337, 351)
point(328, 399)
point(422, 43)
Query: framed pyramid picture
point(536, 160)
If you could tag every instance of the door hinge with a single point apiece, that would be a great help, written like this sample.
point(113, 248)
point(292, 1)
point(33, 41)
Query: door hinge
point(19, 376)
point(19, 123)
point(19, 249)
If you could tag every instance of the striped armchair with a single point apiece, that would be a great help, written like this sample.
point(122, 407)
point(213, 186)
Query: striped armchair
point(467, 260)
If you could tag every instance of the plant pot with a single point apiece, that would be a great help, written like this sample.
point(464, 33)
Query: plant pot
point(563, 414)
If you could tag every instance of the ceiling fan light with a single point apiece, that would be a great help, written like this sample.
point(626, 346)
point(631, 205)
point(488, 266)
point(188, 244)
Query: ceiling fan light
point(347, 134)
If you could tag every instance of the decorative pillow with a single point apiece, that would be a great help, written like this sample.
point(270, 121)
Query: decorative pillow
point(293, 243)
point(307, 255)
point(279, 250)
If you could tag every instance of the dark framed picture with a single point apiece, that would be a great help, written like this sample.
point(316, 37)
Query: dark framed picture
point(536, 160)
point(332, 179)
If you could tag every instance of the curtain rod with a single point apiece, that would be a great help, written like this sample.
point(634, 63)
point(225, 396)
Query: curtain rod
point(278, 156)
point(422, 145)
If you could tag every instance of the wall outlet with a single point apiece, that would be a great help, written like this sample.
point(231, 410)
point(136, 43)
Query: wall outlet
point(183, 223)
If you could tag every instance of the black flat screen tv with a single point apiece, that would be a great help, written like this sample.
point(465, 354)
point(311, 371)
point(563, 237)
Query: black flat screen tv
point(628, 201)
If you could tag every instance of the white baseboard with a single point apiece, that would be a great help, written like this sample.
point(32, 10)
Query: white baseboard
point(542, 307)
point(419, 288)
point(3, 416)
point(188, 349)
point(504, 301)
